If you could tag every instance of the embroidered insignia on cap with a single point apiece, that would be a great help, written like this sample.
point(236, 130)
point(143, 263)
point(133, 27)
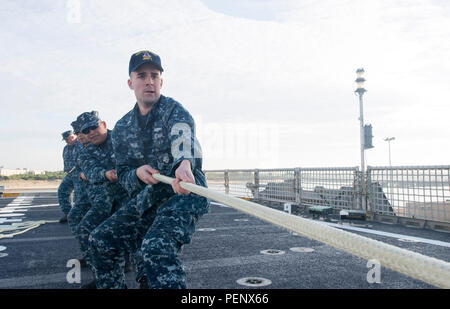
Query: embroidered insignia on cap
point(146, 56)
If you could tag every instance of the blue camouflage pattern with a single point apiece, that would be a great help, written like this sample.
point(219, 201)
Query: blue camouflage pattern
point(155, 223)
point(69, 156)
point(105, 197)
point(87, 119)
point(66, 187)
point(82, 202)
point(66, 134)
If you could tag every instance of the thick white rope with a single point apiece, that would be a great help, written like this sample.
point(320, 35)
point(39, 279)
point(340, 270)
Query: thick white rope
point(428, 269)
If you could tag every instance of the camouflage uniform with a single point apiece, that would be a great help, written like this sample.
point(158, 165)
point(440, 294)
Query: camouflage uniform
point(104, 195)
point(155, 222)
point(67, 184)
point(81, 203)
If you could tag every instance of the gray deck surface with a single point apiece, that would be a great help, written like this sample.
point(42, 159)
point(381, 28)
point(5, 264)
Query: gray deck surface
point(225, 248)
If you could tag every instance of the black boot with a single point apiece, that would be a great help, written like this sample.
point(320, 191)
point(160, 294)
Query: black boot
point(63, 219)
point(89, 286)
point(143, 285)
point(83, 263)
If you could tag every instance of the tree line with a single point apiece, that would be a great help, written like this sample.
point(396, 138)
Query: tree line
point(46, 176)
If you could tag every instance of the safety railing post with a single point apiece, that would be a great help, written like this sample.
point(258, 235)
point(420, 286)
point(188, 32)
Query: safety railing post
point(370, 192)
point(227, 182)
point(256, 181)
point(359, 189)
point(298, 186)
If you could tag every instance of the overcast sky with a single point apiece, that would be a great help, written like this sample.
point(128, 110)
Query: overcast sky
point(270, 83)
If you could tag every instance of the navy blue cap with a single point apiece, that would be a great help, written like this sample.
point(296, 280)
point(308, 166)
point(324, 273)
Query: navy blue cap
point(66, 134)
point(76, 127)
point(87, 119)
point(142, 57)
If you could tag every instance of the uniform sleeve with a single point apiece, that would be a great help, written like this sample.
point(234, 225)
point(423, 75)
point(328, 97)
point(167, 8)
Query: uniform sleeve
point(184, 144)
point(78, 156)
point(78, 161)
point(70, 157)
point(66, 159)
point(92, 169)
point(125, 168)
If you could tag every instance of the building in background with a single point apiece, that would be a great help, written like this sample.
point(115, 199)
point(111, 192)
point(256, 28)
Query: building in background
point(20, 171)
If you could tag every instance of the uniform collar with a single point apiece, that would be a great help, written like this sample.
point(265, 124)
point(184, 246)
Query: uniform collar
point(155, 109)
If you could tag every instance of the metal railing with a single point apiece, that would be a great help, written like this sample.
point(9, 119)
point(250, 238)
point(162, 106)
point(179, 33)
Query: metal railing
point(417, 192)
point(335, 187)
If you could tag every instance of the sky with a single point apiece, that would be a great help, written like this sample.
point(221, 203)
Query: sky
point(270, 83)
